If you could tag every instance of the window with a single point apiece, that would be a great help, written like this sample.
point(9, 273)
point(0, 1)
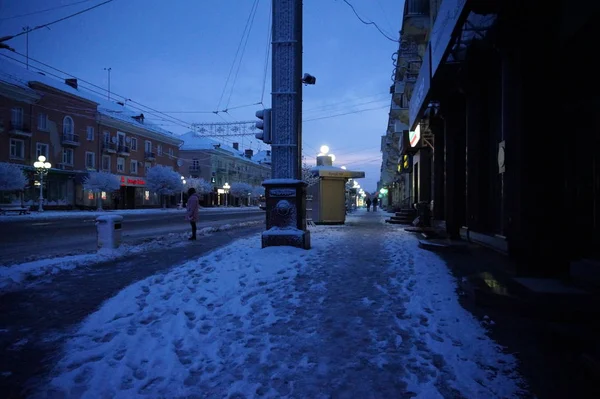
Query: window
point(42, 122)
point(41, 149)
point(16, 117)
point(90, 160)
point(134, 144)
point(159, 150)
point(68, 125)
point(106, 135)
point(67, 156)
point(17, 149)
point(148, 146)
point(121, 138)
point(170, 152)
point(120, 164)
point(196, 163)
point(90, 133)
point(133, 167)
point(147, 166)
point(106, 163)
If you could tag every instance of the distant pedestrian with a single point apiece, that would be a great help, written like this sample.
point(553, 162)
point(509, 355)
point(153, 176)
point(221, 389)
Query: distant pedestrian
point(375, 202)
point(192, 210)
point(368, 202)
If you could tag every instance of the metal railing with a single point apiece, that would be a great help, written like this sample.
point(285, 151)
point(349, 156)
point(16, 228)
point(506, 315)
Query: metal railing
point(70, 137)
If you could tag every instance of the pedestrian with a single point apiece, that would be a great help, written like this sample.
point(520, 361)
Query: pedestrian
point(192, 210)
point(375, 202)
point(368, 202)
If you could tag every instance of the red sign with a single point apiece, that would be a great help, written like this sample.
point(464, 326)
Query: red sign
point(129, 181)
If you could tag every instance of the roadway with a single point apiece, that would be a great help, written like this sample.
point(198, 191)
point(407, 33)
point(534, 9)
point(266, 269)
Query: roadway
point(29, 239)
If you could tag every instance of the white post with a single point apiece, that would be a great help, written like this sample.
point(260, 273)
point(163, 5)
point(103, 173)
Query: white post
point(40, 206)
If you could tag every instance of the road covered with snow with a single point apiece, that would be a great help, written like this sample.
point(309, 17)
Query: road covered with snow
point(364, 314)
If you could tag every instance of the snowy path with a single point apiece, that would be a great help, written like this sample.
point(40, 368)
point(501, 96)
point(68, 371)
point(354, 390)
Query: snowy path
point(358, 316)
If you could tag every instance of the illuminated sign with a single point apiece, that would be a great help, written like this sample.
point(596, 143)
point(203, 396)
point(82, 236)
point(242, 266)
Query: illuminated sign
point(347, 174)
point(414, 136)
point(131, 181)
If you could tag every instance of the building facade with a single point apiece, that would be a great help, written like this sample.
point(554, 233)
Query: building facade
point(218, 164)
point(77, 133)
point(507, 172)
point(400, 149)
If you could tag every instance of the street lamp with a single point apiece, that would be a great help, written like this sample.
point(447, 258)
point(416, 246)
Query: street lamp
point(182, 188)
point(42, 167)
point(226, 187)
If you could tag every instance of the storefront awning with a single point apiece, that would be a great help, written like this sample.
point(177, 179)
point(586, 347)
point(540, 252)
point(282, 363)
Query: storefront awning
point(450, 18)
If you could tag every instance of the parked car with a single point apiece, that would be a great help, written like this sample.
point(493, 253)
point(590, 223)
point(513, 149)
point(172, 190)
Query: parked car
point(262, 202)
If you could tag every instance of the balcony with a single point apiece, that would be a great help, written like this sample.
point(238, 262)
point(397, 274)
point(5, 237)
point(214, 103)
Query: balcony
point(110, 148)
point(123, 150)
point(71, 140)
point(19, 130)
point(194, 169)
point(149, 156)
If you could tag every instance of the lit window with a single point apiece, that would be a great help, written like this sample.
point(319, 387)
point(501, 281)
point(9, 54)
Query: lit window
point(147, 195)
point(103, 195)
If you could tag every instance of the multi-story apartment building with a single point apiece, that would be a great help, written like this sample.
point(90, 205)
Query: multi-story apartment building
point(399, 146)
point(77, 132)
point(218, 163)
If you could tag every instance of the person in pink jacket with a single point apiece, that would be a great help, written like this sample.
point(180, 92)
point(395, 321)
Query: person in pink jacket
point(192, 210)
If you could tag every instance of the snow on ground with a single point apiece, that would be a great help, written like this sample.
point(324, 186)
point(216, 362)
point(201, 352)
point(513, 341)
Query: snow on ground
point(365, 313)
point(19, 276)
point(77, 214)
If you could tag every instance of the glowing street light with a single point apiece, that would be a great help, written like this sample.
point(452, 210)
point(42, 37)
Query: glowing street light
point(324, 149)
point(42, 167)
point(226, 187)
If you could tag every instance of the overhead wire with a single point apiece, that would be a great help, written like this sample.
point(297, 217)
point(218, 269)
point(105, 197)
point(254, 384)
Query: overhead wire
point(370, 23)
point(253, 13)
point(45, 10)
point(129, 101)
point(59, 20)
point(267, 53)
point(235, 57)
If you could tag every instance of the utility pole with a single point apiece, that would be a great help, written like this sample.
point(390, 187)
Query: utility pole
point(108, 70)
point(27, 30)
point(286, 192)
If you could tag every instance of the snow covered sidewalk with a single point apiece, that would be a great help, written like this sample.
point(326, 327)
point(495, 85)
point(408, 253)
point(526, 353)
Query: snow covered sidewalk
point(364, 314)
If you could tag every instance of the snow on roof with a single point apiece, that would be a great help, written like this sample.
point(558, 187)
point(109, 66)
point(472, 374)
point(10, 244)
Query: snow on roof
point(14, 73)
point(262, 157)
point(194, 141)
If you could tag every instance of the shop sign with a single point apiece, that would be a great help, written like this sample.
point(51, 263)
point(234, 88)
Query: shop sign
point(132, 181)
point(449, 16)
point(347, 174)
point(421, 90)
point(414, 136)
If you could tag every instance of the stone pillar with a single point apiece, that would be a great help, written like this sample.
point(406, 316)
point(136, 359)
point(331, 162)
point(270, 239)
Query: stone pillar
point(286, 193)
point(425, 174)
point(437, 127)
point(476, 159)
point(453, 112)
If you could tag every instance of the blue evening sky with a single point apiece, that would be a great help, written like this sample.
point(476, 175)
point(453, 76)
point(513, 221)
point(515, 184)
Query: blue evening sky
point(175, 56)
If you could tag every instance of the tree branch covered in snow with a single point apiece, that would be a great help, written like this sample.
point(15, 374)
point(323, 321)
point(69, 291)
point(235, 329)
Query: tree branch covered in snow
point(163, 180)
point(12, 177)
point(240, 189)
point(201, 185)
point(101, 181)
point(257, 191)
point(309, 177)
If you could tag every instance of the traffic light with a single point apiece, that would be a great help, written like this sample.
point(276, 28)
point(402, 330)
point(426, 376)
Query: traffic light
point(264, 124)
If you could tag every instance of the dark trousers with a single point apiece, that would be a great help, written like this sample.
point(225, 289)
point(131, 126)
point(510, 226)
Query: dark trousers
point(193, 229)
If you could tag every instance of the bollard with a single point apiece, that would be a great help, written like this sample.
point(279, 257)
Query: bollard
point(108, 229)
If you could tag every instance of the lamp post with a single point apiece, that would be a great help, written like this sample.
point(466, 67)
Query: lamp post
point(42, 167)
point(182, 188)
point(226, 187)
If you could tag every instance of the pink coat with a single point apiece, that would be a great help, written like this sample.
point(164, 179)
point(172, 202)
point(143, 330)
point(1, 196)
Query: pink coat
point(192, 208)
